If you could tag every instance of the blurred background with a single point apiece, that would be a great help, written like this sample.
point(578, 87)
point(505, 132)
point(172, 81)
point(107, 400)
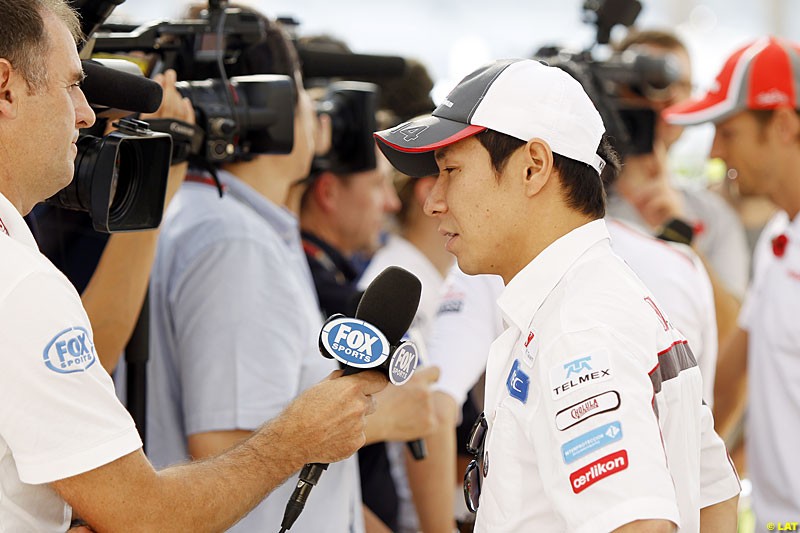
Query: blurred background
point(452, 37)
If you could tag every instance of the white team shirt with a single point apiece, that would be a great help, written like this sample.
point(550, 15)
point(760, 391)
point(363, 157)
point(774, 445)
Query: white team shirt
point(769, 315)
point(399, 252)
point(674, 274)
point(59, 416)
point(590, 395)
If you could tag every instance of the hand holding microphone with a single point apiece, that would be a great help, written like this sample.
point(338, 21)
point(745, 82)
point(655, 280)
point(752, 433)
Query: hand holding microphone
point(371, 340)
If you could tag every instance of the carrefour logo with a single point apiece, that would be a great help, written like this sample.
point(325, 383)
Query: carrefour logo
point(355, 342)
point(70, 351)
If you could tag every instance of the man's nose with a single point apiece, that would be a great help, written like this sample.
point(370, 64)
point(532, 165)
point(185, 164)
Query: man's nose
point(434, 203)
point(84, 115)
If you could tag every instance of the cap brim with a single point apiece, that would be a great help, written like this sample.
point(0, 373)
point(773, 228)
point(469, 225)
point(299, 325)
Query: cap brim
point(409, 147)
point(693, 112)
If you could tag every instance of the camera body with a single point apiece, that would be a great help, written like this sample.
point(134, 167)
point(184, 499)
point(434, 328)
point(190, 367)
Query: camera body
point(237, 117)
point(352, 107)
point(630, 124)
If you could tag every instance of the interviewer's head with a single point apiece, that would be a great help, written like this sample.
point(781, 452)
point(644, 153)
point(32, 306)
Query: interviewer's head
point(42, 106)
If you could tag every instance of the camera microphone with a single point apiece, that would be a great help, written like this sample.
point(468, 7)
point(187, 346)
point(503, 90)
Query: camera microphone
point(321, 63)
point(365, 342)
point(108, 87)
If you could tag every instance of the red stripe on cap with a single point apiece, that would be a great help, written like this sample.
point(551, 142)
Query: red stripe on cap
point(770, 80)
point(462, 134)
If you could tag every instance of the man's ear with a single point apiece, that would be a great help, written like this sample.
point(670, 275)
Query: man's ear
point(787, 124)
point(8, 90)
point(325, 191)
point(537, 159)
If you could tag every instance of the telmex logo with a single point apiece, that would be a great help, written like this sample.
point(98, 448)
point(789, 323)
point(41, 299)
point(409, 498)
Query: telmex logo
point(569, 377)
point(602, 468)
point(355, 342)
point(577, 413)
point(577, 366)
point(70, 351)
point(404, 363)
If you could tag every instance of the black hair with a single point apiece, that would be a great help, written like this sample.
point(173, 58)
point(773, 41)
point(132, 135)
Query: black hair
point(583, 188)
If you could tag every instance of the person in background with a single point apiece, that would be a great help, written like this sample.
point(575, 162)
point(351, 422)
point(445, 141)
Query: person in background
point(234, 317)
point(754, 105)
point(646, 194)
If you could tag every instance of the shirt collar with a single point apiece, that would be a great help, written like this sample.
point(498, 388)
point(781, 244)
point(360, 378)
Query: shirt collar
point(283, 221)
point(13, 225)
point(526, 292)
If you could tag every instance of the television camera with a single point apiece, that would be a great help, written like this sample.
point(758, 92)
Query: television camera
point(631, 127)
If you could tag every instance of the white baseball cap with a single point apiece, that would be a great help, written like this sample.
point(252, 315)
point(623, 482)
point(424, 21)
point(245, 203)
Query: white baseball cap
point(522, 98)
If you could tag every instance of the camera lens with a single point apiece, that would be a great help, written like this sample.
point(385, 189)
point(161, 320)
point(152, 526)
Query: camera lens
point(124, 186)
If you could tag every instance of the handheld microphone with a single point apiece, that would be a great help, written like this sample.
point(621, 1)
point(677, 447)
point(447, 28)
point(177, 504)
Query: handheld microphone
point(376, 305)
point(362, 343)
point(112, 88)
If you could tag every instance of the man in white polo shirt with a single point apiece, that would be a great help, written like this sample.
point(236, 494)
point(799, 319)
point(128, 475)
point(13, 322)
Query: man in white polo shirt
point(65, 440)
point(594, 414)
point(755, 105)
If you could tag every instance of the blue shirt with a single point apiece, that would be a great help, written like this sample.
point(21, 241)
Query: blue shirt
point(233, 338)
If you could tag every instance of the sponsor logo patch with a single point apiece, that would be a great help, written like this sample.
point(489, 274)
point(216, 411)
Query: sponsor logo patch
point(566, 378)
point(518, 382)
point(530, 348)
point(70, 351)
point(355, 342)
point(772, 97)
point(403, 363)
point(591, 441)
point(590, 474)
point(577, 413)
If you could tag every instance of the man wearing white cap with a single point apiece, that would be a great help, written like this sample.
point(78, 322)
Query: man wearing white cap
point(594, 418)
point(754, 105)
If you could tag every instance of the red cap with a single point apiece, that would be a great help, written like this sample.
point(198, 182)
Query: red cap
point(764, 74)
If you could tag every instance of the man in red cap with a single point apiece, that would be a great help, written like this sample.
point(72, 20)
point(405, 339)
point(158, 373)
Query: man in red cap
point(754, 105)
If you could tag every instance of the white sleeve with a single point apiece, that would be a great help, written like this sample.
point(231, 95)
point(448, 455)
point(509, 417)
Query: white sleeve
point(718, 478)
point(466, 324)
point(58, 411)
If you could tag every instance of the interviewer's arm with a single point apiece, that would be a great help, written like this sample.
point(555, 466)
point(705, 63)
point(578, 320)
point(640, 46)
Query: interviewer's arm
point(431, 480)
point(211, 495)
point(405, 412)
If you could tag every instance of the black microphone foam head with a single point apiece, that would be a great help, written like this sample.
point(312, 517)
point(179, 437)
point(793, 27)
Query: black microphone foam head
point(108, 87)
point(390, 302)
